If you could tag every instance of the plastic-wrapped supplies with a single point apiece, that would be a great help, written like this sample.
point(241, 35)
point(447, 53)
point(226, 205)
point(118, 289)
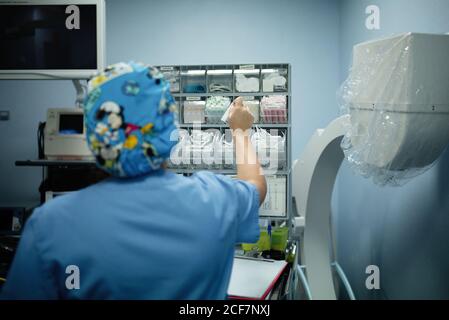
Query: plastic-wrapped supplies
point(220, 80)
point(194, 111)
point(228, 152)
point(247, 81)
point(270, 149)
point(397, 96)
point(254, 108)
point(197, 150)
point(274, 80)
point(212, 149)
point(202, 148)
point(194, 81)
point(216, 106)
point(274, 109)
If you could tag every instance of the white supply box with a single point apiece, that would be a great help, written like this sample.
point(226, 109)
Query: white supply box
point(276, 199)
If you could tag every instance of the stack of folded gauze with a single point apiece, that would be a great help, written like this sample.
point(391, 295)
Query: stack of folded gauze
point(274, 109)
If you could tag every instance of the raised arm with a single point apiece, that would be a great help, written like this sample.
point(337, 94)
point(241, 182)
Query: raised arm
point(248, 166)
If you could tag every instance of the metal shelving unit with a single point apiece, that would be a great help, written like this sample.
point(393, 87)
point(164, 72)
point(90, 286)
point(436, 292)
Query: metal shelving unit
point(179, 74)
point(229, 94)
point(225, 171)
point(218, 126)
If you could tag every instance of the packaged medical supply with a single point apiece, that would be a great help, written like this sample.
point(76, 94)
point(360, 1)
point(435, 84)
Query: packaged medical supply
point(270, 148)
point(228, 151)
point(194, 111)
point(219, 80)
point(274, 109)
point(247, 80)
point(274, 80)
point(216, 106)
point(254, 108)
point(194, 81)
point(171, 74)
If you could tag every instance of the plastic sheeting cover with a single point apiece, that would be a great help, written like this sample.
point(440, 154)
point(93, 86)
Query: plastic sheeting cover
point(397, 96)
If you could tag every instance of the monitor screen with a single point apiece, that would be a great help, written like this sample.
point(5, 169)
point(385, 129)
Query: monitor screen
point(71, 124)
point(43, 37)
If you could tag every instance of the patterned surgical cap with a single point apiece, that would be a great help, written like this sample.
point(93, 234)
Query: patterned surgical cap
point(131, 119)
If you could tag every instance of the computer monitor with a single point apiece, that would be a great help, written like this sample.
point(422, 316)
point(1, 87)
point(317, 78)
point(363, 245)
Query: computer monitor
point(65, 137)
point(51, 39)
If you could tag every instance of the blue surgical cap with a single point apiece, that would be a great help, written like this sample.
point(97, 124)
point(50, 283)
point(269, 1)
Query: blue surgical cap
point(131, 119)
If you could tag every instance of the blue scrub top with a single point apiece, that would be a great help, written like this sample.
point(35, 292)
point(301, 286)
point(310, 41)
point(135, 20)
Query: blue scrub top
point(161, 236)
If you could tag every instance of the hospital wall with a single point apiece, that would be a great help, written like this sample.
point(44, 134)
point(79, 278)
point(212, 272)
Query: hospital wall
point(303, 33)
point(402, 230)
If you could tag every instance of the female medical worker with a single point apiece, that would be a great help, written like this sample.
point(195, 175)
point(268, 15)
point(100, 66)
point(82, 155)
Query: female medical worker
point(144, 233)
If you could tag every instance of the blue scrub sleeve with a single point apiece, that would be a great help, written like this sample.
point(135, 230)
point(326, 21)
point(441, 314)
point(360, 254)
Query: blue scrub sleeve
point(245, 197)
point(27, 278)
point(248, 213)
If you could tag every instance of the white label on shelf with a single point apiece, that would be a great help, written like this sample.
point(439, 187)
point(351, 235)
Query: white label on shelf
point(166, 68)
point(247, 66)
point(279, 88)
point(193, 98)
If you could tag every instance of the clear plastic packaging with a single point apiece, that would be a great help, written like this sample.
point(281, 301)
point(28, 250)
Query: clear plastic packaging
point(198, 150)
point(219, 81)
point(397, 96)
point(216, 151)
point(203, 145)
point(211, 149)
point(270, 148)
point(194, 81)
point(254, 107)
point(273, 109)
point(172, 75)
point(228, 151)
point(274, 80)
point(194, 111)
point(216, 106)
point(247, 80)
